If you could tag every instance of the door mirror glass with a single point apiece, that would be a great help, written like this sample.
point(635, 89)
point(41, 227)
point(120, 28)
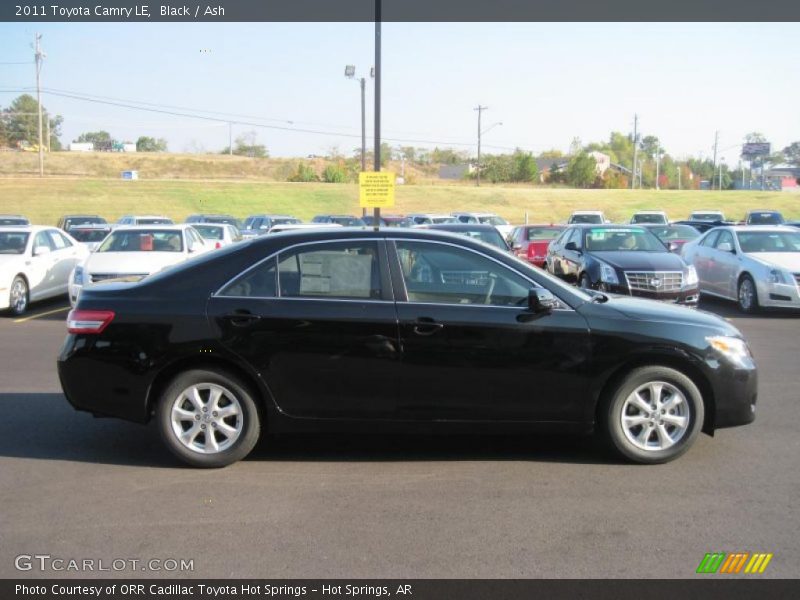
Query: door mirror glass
point(541, 300)
point(571, 246)
point(725, 247)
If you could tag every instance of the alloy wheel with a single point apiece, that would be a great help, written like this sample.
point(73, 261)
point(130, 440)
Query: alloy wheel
point(207, 418)
point(655, 416)
point(18, 296)
point(746, 294)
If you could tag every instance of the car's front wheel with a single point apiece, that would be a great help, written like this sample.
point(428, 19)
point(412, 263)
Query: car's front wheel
point(208, 418)
point(747, 295)
point(653, 415)
point(18, 296)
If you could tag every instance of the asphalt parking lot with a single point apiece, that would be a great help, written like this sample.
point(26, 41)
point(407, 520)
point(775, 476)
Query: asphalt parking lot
point(76, 487)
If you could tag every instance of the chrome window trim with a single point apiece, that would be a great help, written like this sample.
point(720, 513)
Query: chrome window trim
point(275, 254)
point(566, 305)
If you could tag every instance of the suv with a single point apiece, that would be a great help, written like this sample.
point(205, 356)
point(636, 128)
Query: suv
point(650, 217)
point(144, 220)
point(590, 217)
point(503, 226)
point(764, 217)
point(67, 222)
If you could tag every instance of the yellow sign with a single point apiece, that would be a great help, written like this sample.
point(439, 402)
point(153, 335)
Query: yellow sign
point(376, 190)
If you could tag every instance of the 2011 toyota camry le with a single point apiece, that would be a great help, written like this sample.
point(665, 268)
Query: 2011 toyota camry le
point(396, 330)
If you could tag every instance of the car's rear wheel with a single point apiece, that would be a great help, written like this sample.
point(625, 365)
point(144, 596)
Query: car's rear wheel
point(18, 296)
point(747, 295)
point(653, 415)
point(208, 418)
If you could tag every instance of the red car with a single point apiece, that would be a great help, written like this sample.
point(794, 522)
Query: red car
point(530, 242)
point(674, 236)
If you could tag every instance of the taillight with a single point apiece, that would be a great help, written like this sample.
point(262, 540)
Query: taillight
point(88, 321)
point(531, 250)
point(218, 245)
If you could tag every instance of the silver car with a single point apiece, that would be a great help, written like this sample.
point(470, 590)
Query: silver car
point(757, 266)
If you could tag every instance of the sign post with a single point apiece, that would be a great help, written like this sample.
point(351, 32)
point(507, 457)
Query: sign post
point(376, 190)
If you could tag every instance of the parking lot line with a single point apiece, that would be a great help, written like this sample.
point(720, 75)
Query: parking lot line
point(44, 314)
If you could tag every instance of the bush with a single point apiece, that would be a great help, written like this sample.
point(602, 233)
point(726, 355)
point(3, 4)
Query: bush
point(334, 174)
point(304, 174)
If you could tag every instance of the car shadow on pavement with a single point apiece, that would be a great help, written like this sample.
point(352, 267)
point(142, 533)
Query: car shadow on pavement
point(45, 426)
point(727, 309)
point(53, 309)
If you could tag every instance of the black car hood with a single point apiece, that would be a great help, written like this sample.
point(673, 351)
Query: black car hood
point(643, 309)
point(641, 261)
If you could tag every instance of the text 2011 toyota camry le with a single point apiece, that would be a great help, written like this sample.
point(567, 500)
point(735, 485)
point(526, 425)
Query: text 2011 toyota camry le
point(396, 330)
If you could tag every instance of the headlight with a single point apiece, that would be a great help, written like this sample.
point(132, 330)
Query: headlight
point(778, 276)
point(608, 274)
point(691, 277)
point(77, 276)
point(733, 348)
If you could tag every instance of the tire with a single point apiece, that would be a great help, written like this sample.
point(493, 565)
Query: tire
point(653, 436)
point(18, 296)
point(747, 295)
point(180, 410)
point(584, 282)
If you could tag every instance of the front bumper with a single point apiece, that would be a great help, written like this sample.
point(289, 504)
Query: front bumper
point(778, 295)
point(684, 297)
point(735, 393)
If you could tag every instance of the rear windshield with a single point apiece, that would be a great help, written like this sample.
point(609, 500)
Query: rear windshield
point(210, 232)
point(586, 219)
point(13, 221)
point(493, 220)
point(75, 221)
point(644, 218)
point(765, 218)
point(13, 242)
point(89, 235)
point(143, 241)
point(154, 221)
point(227, 220)
point(542, 233)
point(701, 216)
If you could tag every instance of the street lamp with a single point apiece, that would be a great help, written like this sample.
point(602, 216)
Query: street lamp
point(350, 73)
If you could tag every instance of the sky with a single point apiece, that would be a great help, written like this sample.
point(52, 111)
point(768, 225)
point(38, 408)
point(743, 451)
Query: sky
point(547, 83)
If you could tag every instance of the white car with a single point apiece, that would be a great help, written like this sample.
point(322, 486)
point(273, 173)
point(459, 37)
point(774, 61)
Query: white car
point(429, 219)
point(218, 235)
point(503, 226)
point(649, 217)
point(592, 217)
point(35, 263)
point(756, 265)
point(135, 252)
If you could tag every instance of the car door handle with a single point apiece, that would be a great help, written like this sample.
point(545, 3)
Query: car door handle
point(427, 326)
point(242, 318)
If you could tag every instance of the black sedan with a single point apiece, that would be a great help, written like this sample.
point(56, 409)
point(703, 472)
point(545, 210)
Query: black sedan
point(624, 260)
point(395, 330)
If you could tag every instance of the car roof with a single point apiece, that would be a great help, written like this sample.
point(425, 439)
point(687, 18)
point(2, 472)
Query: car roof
point(774, 228)
point(462, 226)
point(162, 226)
point(587, 212)
point(27, 228)
point(474, 214)
point(650, 212)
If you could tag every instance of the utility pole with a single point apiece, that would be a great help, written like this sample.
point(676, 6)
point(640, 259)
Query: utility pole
point(716, 143)
point(377, 213)
point(230, 138)
point(719, 181)
point(679, 177)
point(39, 56)
point(48, 134)
point(635, 148)
point(480, 109)
point(658, 160)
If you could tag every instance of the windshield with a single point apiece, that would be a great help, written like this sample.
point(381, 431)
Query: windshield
point(543, 233)
point(74, 221)
point(152, 240)
point(89, 235)
point(648, 218)
point(612, 240)
point(228, 220)
point(765, 218)
point(707, 216)
point(153, 221)
point(769, 241)
point(487, 236)
point(438, 220)
point(493, 220)
point(13, 242)
point(210, 232)
point(586, 219)
point(347, 221)
point(675, 232)
point(286, 221)
point(13, 221)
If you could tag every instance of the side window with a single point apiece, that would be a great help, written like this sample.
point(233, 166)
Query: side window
point(344, 270)
point(42, 239)
point(724, 237)
point(59, 241)
point(260, 282)
point(446, 274)
point(575, 236)
point(710, 239)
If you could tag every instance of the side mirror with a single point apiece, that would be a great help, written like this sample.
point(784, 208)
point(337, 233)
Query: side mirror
point(541, 300)
point(571, 246)
point(516, 246)
point(725, 247)
point(673, 247)
point(41, 250)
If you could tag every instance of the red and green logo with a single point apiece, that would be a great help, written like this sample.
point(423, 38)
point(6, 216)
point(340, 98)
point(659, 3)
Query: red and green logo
point(734, 562)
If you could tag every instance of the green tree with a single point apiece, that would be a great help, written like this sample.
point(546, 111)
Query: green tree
point(525, 168)
point(755, 137)
point(246, 146)
point(581, 170)
point(304, 173)
point(95, 137)
point(791, 154)
point(334, 174)
point(19, 123)
point(150, 144)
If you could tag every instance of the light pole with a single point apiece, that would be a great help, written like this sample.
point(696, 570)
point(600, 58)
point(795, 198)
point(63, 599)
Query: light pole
point(721, 158)
point(39, 56)
point(350, 73)
point(658, 161)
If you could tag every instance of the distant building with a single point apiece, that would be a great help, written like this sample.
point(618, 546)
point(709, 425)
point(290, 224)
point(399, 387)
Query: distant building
point(81, 147)
point(603, 161)
point(784, 178)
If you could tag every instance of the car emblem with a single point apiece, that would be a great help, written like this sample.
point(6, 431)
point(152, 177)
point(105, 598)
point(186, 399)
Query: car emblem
point(655, 282)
